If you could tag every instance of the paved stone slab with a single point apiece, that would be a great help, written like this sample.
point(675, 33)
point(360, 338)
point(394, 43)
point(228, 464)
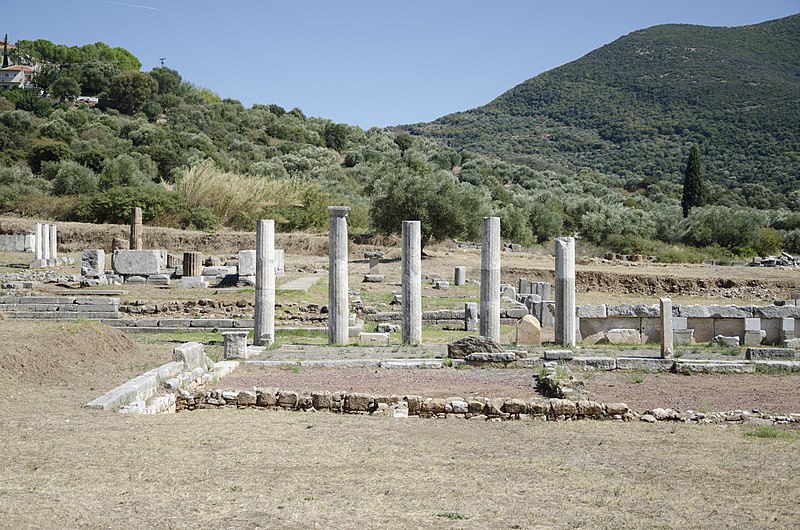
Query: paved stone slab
point(140, 262)
point(714, 367)
point(594, 363)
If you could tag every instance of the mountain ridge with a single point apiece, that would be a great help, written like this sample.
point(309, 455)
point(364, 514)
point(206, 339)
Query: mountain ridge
point(633, 106)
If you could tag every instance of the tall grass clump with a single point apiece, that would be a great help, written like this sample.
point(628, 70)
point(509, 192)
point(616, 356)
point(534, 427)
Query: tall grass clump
point(239, 200)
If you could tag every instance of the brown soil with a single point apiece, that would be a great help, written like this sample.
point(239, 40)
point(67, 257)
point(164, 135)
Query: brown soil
point(704, 393)
point(443, 382)
point(68, 467)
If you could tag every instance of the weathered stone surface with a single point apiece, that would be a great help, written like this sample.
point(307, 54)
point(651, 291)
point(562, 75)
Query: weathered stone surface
point(623, 336)
point(266, 397)
point(502, 357)
point(562, 407)
point(475, 406)
point(93, 263)
point(792, 343)
point(288, 399)
point(373, 278)
point(683, 337)
point(713, 367)
point(529, 331)
point(592, 311)
point(646, 364)
point(754, 338)
point(246, 397)
point(515, 406)
point(191, 354)
point(494, 407)
point(414, 403)
point(648, 418)
point(374, 339)
point(594, 363)
point(473, 344)
point(459, 406)
point(357, 402)
point(558, 355)
point(722, 340)
point(773, 311)
point(433, 406)
point(247, 263)
point(617, 409)
point(769, 353)
point(589, 409)
point(140, 262)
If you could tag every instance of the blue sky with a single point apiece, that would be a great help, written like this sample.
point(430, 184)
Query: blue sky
point(364, 62)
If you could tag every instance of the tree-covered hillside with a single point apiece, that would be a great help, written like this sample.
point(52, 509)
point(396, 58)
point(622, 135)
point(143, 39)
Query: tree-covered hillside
point(190, 158)
point(633, 108)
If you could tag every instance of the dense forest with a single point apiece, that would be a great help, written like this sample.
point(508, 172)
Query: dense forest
point(190, 158)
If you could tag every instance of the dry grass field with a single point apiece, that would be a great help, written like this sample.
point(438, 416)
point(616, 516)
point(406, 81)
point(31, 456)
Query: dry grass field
point(67, 467)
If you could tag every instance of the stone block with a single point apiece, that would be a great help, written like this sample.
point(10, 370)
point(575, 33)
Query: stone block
point(247, 263)
point(140, 262)
point(722, 340)
point(374, 339)
point(387, 327)
point(563, 407)
point(472, 344)
point(621, 310)
point(558, 355)
point(515, 312)
point(135, 280)
point(373, 278)
point(158, 279)
point(623, 336)
point(594, 363)
point(682, 337)
point(592, 311)
point(529, 332)
point(441, 284)
point(192, 282)
point(752, 324)
point(729, 311)
point(713, 367)
point(501, 357)
point(773, 311)
point(460, 276)
point(93, 263)
point(235, 344)
point(219, 271)
point(754, 338)
point(357, 402)
point(769, 353)
point(191, 354)
point(693, 311)
point(589, 409)
point(792, 343)
point(645, 364)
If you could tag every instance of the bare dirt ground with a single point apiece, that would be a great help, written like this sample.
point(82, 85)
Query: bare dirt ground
point(703, 393)
point(67, 467)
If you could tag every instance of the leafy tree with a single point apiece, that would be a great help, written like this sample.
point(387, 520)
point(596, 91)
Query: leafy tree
point(72, 178)
point(130, 91)
point(694, 187)
point(65, 88)
point(335, 136)
point(169, 80)
point(404, 141)
point(47, 151)
point(95, 78)
point(445, 207)
point(133, 170)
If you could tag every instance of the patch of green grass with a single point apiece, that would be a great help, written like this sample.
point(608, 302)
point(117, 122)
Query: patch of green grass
point(636, 377)
point(772, 370)
point(774, 433)
point(453, 516)
point(294, 368)
point(181, 336)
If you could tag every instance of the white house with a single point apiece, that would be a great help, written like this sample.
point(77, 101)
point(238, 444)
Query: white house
point(16, 76)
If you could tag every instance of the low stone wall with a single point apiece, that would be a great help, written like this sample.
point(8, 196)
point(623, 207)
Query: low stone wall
point(16, 242)
point(471, 408)
point(692, 324)
point(59, 307)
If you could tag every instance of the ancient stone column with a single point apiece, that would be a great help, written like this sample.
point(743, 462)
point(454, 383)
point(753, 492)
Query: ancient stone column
point(136, 229)
point(565, 291)
point(264, 317)
point(338, 285)
point(192, 263)
point(490, 279)
point(53, 242)
point(666, 328)
point(45, 242)
point(412, 283)
point(38, 241)
point(459, 276)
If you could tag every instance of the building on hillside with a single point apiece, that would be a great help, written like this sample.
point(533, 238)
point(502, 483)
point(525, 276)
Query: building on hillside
point(16, 76)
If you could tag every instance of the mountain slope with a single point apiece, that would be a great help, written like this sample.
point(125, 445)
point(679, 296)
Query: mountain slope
point(633, 107)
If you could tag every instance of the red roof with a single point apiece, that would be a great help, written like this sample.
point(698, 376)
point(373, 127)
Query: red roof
point(18, 67)
point(10, 46)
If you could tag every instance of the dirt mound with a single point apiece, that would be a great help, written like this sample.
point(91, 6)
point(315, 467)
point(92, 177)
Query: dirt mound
point(48, 353)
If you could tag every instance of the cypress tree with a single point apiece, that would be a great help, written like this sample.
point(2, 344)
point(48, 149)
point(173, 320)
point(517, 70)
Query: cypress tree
point(5, 52)
point(694, 187)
